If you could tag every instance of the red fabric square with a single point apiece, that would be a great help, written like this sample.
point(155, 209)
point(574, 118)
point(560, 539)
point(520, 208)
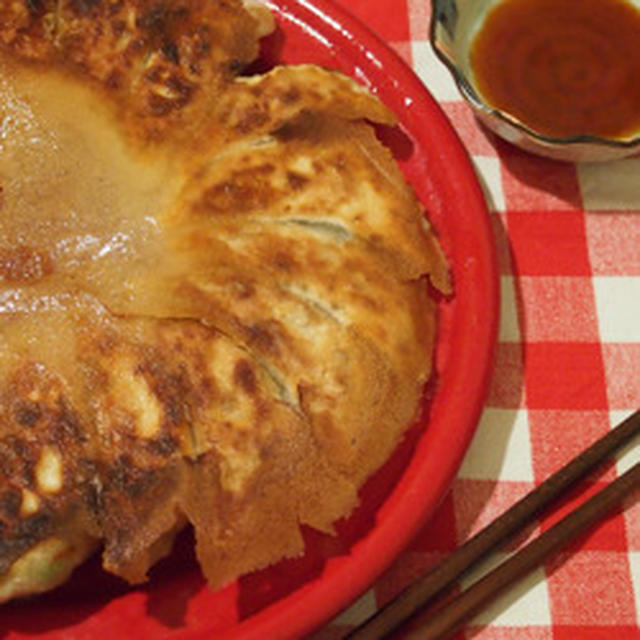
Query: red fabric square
point(420, 18)
point(558, 436)
point(622, 370)
point(608, 535)
point(613, 240)
point(595, 633)
point(479, 502)
point(403, 49)
point(549, 243)
point(439, 533)
point(532, 183)
point(591, 588)
point(564, 376)
point(388, 18)
point(507, 384)
point(631, 508)
point(557, 309)
point(512, 633)
point(478, 140)
point(503, 250)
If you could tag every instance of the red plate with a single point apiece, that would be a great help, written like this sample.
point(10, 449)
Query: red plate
point(296, 596)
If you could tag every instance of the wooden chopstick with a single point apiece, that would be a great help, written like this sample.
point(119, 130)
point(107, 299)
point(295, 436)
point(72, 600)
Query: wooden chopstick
point(451, 616)
point(422, 592)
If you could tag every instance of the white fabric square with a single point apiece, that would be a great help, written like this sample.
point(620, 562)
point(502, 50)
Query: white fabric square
point(629, 455)
point(490, 175)
point(634, 561)
point(610, 186)
point(433, 73)
point(363, 608)
point(501, 448)
point(524, 604)
point(419, 18)
point(618, 307)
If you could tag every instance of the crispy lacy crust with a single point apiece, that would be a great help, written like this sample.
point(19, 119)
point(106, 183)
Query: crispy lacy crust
point(182, 423)
point(232, 332)
point(161, 63)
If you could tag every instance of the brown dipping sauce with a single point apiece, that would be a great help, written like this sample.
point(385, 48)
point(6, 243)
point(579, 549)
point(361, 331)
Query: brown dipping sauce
point(562, 67)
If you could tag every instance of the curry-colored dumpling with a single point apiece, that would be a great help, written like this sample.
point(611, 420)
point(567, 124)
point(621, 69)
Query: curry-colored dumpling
point(213, 299)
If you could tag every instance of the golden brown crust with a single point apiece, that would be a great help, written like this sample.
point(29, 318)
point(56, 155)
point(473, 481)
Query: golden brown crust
point(231, 329)
point(40, 431)
point(181, 421)
point(162, 64)
point(259, 104)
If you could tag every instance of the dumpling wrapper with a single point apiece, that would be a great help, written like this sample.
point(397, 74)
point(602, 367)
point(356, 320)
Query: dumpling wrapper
point(213, 296)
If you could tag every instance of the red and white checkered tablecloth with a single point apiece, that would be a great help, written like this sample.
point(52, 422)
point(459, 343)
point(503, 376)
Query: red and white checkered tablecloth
point(568, 368)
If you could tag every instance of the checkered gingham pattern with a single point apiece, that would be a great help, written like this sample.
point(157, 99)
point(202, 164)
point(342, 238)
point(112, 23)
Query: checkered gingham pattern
point(568, 368)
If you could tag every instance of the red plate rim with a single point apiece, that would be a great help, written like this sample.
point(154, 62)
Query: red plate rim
point(472, 330)
point(465, 350)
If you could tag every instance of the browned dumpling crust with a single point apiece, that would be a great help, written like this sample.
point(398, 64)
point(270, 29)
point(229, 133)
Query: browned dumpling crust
point(161, 62)
point(213, 291)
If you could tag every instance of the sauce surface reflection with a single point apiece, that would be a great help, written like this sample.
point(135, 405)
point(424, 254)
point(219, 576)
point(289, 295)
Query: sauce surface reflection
point(564, 68)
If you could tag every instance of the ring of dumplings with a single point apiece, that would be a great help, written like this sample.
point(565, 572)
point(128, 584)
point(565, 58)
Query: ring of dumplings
point(214, 306)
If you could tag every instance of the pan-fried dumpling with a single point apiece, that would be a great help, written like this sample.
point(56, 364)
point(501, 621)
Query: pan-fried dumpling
point(213, 298)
